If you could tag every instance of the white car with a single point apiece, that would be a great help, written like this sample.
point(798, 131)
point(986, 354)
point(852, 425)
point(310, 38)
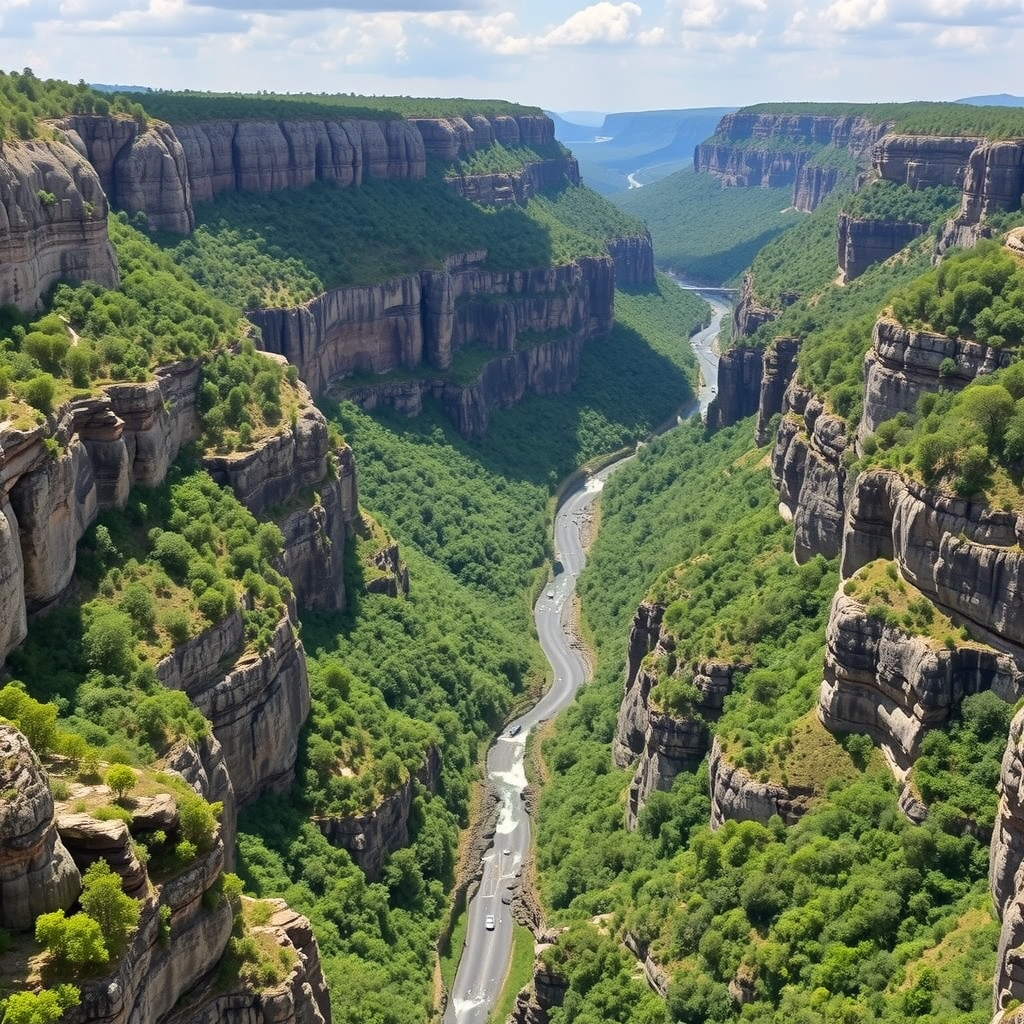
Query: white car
point(489, 922)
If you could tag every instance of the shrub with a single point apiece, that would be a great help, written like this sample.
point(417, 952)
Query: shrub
point(44, 1007)
point(103, 900)
point(40, 392)
point(120, 778)
point(177, 625)
point(77, 940)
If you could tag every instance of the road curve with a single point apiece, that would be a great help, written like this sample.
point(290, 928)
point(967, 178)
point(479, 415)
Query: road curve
point(486, 953)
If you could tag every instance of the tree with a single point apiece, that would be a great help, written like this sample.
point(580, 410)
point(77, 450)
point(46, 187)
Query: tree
point(990, 407)
point(44, 1007)
point(76, 940)
point(120, 778)
point(105, 902)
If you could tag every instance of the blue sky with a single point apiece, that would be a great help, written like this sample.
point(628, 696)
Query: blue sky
point(560, 54)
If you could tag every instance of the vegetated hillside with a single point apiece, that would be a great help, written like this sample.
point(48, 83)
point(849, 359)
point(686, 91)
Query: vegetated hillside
point(707, 232)
point(390, 679)
point(828, 887)
point(650, 143)
point(256, 250)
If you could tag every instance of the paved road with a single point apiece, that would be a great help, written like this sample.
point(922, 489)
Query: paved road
point(486, 954)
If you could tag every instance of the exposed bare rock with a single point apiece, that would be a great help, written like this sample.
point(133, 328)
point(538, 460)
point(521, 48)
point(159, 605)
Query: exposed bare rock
point(863, 243)
point(256, 708)
point(964, 557)
point(749, 313)
point(655, 975)
point(880, 680)
point(736, 796)
point(644, 634)
point(53, 222)
point(152, 813)
point(903, 364)
point(923, 161)
point(452, 137)
point(1006, 853)
point(778, 367)
point(371, 836)
point(994, 180)
point(739, 386)
point(394, 578)
point(202, 765)
point(634, 259)
point(151, 976)
point(795, 138)
point(515, 188)
point(808, 472)
point(425, 318)
point(89, 840)
point(37, 874)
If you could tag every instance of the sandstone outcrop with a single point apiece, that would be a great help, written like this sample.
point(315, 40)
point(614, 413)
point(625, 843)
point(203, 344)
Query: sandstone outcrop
point(662, 744)
point(53, 222)
point(808, 472)
point(895, 686)
point(89, 840)
point(370, 837)
point(923, 161)
point(517, 187)
point(864, 242)
point(302, 998)
point(964, 557)
point(452, 137)
point(633, 256)
point(778, 368)
point(774, 150)
point(424, 319)
point(1006, 870)
point(736, 796)
point(749, 313)
point(37, 873)
point(903, 364)
point(142, 169)
point(739, 386)
point(256, 707)
point(393, 578)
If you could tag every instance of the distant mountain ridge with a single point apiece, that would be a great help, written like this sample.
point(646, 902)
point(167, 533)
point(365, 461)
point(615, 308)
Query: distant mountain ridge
point(999, 99)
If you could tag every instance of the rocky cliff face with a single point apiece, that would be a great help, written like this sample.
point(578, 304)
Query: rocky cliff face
point(922, 161)
point(966, 559)
point(808, 472)
point(516, 188)
point(749, 313)
point(739, 386)
point(37, 873)
point(452, 137)
point(631, 727)
point(53, 222)
point(903, 364)
point(370, 837)
point(773, 150)
point(736, 796)
point(256, 707)
point(894, 686)
point(633, 256)
point(778, 368)
point(865, 242)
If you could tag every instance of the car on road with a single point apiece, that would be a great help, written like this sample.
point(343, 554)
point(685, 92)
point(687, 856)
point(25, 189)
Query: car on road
point(551, 593)
point(489, 922)
point(514, 730)
point(507, 852)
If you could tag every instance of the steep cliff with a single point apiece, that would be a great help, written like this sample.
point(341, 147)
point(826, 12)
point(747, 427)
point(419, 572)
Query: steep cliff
point(903, 364)
point(863, 242)
point(737, 796)
point(895, 685)
point(964, 557)
point(452, 137)
point(256, 706)
point(922, 161)
point(634, 259)
point(53, 222)
point(37, 874)
point(739, 386)
point(808, 471)
point(749, 313)
point(772, 150)
point(778, 367)
point(514, 188)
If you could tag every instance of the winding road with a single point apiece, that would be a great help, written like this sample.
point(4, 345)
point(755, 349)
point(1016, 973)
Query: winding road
point(487, 951)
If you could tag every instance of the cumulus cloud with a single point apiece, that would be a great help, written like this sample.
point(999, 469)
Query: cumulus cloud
point(858, 15)
point(602, 22)
point(369, 6)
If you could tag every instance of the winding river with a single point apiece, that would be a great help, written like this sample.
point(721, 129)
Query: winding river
point(487, 952)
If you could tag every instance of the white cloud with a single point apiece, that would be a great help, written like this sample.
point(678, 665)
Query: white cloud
point(856, 15)
point(963, 38)
point(602, 22)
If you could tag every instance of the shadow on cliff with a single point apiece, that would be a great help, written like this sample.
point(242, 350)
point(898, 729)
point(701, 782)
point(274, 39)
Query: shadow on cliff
point(625, 390)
